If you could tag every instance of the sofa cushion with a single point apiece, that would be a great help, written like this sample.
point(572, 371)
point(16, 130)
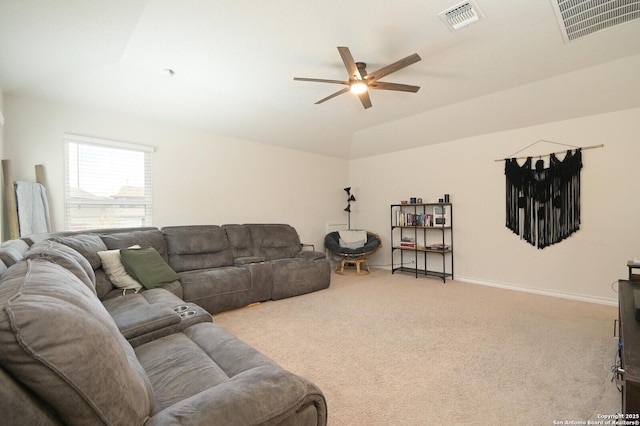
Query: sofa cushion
point(87, 245)
point(146, 266)
point(66, 257)
point(224, 380)
point(218, 289)
point(51, 324)
point(11, 251)
point(240, 240)
point(151, 314)
point(113, 267)
point(293, 277)
point(19, 406)
point(274, 241)
point(147, 238)
point(197, 247)
point(203, 356)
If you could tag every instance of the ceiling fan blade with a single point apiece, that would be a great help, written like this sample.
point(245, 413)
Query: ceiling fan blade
point(365, 99)
point(339, 92)
point(320, 80)
point(349, 63)
point(398, 65)
point(380, 85)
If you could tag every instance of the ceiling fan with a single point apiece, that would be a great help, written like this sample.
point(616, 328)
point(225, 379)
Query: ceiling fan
point(360, 82)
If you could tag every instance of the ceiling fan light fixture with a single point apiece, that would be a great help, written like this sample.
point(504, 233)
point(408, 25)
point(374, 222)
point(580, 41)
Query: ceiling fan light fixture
point(358, 87)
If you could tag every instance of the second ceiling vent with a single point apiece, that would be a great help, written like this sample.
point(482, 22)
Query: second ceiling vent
point(579, 18)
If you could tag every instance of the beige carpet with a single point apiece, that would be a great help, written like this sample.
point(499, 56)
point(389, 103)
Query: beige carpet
point(395, 350)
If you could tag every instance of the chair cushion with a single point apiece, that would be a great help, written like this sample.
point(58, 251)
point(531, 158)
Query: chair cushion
point(352, 239)
point(331, 242)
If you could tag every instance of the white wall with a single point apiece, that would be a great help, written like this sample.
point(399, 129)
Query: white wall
point(585, 265)
point(199, 178)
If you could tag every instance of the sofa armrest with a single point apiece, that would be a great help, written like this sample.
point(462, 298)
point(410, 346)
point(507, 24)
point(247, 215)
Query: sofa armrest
point(311, 255)
point(263, 395)
point(239, 261)
point(145, 319)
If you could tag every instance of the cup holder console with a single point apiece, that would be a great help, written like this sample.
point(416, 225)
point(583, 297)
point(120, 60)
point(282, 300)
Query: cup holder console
point(181, 308)
point(187, 314)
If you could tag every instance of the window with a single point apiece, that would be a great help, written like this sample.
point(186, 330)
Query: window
point(107, 184)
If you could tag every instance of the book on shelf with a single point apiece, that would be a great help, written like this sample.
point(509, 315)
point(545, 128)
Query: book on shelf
point(408, 242)
point(438, 246)
point(428, 220)
point(411, 219)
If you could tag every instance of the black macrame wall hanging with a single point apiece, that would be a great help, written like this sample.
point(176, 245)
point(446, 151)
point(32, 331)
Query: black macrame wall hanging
point(543, 203)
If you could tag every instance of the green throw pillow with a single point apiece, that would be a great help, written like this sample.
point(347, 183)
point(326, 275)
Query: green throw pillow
point(146, 266)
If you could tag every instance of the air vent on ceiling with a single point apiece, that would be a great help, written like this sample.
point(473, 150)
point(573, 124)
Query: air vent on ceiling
point(461, 15)
point(579, 18)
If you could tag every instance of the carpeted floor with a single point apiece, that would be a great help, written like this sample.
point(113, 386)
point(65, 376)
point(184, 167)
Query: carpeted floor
point(395, 350)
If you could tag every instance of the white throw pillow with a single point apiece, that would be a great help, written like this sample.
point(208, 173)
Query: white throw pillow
point(114, 268)
point(352, 239)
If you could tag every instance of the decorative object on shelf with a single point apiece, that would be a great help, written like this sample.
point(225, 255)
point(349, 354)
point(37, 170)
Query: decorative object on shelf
point(446, 198)
point(404, 202)
point(350, 198)
point(419, 200)
point(412, 200)
point(543, 204)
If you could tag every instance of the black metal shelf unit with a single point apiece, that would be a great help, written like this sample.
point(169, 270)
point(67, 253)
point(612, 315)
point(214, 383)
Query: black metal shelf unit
point(418, 233)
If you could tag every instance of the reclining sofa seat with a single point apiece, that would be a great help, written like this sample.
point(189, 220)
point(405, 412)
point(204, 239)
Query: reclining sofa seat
point(294, 272)
point(230, 266)
point(202, 257)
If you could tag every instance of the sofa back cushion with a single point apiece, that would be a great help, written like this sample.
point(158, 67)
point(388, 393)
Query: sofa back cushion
point(87, 245)
point(19, 406)
point(240, 240)
point(197, 247)
point(66, 257)
point(11, 251)
point(60, 342)
point(148, 238)
point(274, 241)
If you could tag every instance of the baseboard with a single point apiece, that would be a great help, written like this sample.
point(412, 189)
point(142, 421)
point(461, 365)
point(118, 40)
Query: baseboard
point(571, 296)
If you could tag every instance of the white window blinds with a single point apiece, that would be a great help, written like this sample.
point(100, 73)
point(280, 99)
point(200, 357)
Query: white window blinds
point(107, 184)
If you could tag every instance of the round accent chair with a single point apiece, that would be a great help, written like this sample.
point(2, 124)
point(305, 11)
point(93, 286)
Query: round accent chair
point(353, 260)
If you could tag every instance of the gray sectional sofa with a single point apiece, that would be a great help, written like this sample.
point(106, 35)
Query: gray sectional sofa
point(75, 348)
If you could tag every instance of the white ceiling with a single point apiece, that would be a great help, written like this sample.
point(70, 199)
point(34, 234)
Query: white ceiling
point(235, 61)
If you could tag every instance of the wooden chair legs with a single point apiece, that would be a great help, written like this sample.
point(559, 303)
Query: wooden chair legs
point(358, 266)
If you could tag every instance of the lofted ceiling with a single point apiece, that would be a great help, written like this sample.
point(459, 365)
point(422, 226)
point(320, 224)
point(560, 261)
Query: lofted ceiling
point(234, 64)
